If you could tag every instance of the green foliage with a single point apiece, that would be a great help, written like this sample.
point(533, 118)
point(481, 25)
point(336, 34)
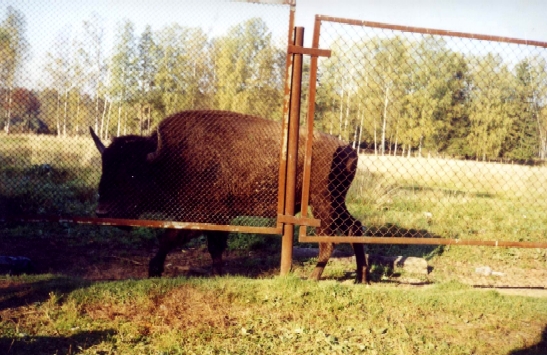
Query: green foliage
point(250, 70)
point(406, 94)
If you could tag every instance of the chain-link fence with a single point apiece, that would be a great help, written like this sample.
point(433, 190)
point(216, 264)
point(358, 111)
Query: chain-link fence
point(451, 129)
point(120, 69)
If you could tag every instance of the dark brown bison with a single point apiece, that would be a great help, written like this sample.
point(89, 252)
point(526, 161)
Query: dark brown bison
point(214, 167)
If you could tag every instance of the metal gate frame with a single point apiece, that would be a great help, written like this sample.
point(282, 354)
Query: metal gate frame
point(302, 236)
point(284, 173)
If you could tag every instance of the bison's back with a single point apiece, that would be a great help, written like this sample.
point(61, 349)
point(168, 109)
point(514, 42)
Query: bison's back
point(221, 165)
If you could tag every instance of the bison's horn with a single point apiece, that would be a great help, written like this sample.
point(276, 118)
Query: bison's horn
point(97, 140)
point(152, 156)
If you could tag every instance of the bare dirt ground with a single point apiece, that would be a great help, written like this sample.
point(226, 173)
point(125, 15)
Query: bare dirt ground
point(101, 261)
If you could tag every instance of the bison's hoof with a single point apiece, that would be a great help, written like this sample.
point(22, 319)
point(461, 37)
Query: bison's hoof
point(315, 276)
point(155, 271)
point(363, 277)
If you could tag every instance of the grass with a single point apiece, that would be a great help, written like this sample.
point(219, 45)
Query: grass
point(281, 315)
point(51, 314)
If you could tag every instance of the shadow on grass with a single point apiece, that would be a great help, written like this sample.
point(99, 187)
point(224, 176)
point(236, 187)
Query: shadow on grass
point(448, 192)
point(536, 349)
point(73, 344)
point(394, 231)
point(20, 293)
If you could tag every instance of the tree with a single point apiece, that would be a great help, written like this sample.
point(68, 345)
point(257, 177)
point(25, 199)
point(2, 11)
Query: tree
point(339, 94)
point(13, 51)
point(490, 109)
point(123, 83)
point(433, 105)
point(25, 108)
point(95, 61)
point(182, 71)
point(389, 75)
point(527, 134)
point(146, 68)
point(249, 70)
point(59, 65)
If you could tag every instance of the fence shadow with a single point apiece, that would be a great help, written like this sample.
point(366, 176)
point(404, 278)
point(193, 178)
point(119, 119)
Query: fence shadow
point(18, 295)
point(406, 250)
point(539, 348)
point(73, 344)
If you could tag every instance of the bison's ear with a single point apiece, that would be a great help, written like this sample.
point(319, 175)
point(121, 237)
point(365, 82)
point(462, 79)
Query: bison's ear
point(97, 140)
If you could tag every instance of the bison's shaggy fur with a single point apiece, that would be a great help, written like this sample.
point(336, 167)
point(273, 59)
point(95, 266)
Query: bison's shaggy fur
point(214, 166)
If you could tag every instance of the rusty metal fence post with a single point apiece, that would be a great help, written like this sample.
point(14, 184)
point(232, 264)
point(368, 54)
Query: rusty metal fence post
point(292, 152)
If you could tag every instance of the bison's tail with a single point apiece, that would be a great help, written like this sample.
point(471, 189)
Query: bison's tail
point(342, 172)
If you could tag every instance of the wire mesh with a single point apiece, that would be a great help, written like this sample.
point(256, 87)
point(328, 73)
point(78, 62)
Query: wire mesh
point(120, 69)
point(450, 131)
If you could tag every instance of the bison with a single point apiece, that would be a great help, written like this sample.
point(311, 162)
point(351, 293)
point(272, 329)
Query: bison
point(215, 166)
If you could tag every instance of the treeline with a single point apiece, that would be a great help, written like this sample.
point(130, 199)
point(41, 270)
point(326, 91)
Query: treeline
point(146, 76)
point(401, 96)
point(393, 95)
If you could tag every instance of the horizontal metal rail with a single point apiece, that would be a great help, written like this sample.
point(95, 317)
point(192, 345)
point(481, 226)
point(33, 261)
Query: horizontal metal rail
point(420, 241)
point(146, 223)
point(430, 31)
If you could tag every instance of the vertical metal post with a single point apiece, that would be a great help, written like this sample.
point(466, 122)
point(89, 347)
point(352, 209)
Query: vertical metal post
point(309, 134)
point(292, 153)
point(285, 125)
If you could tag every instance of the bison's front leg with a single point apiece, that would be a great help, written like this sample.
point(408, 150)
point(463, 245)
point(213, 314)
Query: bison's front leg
point(168, 240)
point(216, 244)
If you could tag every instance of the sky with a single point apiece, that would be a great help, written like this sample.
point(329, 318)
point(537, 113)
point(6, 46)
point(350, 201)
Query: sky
point(525, 19)
point(47, 18)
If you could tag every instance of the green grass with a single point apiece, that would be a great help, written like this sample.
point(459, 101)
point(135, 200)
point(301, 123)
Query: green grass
point(280, 315)
point(49, 314)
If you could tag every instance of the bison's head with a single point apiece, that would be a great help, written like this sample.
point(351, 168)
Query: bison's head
point(126, 178)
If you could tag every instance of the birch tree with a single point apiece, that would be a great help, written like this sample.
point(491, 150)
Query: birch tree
point(13, 51)
point(123, 82)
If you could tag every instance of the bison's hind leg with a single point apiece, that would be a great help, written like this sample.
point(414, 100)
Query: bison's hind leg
point(350, 226)
point(325, 252)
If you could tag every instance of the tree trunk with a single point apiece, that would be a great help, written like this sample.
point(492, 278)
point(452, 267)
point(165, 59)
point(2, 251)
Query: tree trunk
point(66, 111)
point(125, 123)
point(341, 115)
point(97, 114)
point(360, 131)
point(108, 120)
point(119, 119)
point(375, 138)
point(101, 132)
point(384, 123)
point(78, 115)
point(8, 114)
point(347, 116)
point(141, 118)
point(57, 115)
